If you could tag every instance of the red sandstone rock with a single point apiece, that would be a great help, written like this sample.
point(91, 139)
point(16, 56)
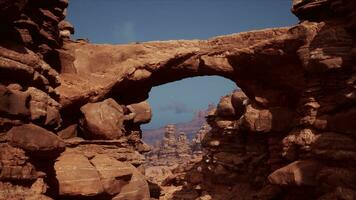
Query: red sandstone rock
point(142, 112)
point(113, 173)
point(9, 191)
point(136, 189)
point(14, 102)
point(35, 140)
point(69, 132)
point(298, 173)
point(238, 99)
point(225, 107)
point(15, 165)
point(298, 78)
point(77, 176)
point(103, 120)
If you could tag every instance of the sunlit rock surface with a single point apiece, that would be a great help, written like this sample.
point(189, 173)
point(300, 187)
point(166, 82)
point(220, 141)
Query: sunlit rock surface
point(290, 136)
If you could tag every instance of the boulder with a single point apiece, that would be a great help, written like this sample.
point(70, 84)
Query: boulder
point(113, 173)
point(43, 108)
point(257, 120)
point(77, 176)
point(14, 102)
point(136, 189)
point(102, 120)
point(311, 10)
point(15, 165)
point(157, 174)
point(238, 100)
point(225, 107)
point(142, 112)
point(69, 132)
point(266, 120)
point(35, 140)
point(298, 173)
point(12, 191)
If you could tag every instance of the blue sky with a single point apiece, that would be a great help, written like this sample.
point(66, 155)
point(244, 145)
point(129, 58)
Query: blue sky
point(125, 21)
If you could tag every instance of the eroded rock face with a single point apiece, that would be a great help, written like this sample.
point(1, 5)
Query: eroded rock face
point(103, 120)
point(35, 140)
point(33, 129)
point(175, 148)
point(77, 176)
point(298, 173)
point(171, 158)
point(90, 174)
point(15, 165)
point(299, 81)
point(141, 112)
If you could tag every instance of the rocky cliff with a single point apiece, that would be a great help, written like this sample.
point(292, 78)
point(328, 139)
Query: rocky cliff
point(172, 157)
point(150, 136)
point(71, 111)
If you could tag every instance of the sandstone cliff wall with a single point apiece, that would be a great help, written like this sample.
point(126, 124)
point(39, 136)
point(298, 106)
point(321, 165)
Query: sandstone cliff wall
point(70, 111)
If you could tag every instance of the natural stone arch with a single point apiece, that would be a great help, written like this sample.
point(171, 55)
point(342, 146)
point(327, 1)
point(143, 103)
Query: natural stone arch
point(284, 72)
point(308, 69)
point(257, 61)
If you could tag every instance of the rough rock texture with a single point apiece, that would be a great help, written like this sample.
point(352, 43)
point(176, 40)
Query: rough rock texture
point(77, 176)
point(34, 130)
point(35, 140)
point(171, 158)
point(98, 176)
point(103, 120)
point(198, 139)
point(299, 81)
point(191, 127)
point(174, 149)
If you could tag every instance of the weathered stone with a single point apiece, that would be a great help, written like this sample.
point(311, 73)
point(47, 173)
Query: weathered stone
point(14, 102)
point(298, 173)
point(9, 191)
point(238, 100)
point(69, 132)
point(257, 120)
point(225, 107)
point(297, 78)
point(77, 176)
point(43, 108)
point(142, 112)
point(103, 120)
point(113, 174)
point(35, 140)
point(136, 189)
point(15, 165)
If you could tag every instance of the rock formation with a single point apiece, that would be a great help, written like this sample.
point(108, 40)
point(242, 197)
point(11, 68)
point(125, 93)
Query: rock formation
point(44, 155)
point(169, 161)
point(197, 140)
point(150, 136)
point(172, 150)
point(291, 137)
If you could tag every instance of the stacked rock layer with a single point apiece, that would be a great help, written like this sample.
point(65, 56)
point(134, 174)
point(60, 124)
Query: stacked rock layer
point(71, 111)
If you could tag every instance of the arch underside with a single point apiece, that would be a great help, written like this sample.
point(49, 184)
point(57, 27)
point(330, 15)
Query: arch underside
point(127, 72)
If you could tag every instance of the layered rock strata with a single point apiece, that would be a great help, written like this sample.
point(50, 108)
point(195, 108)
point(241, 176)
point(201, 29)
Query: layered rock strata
point(292, 139)
point(45, 154)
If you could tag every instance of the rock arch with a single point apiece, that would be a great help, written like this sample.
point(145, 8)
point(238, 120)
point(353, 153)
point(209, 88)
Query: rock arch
point(305, 72)
point(137, 67)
